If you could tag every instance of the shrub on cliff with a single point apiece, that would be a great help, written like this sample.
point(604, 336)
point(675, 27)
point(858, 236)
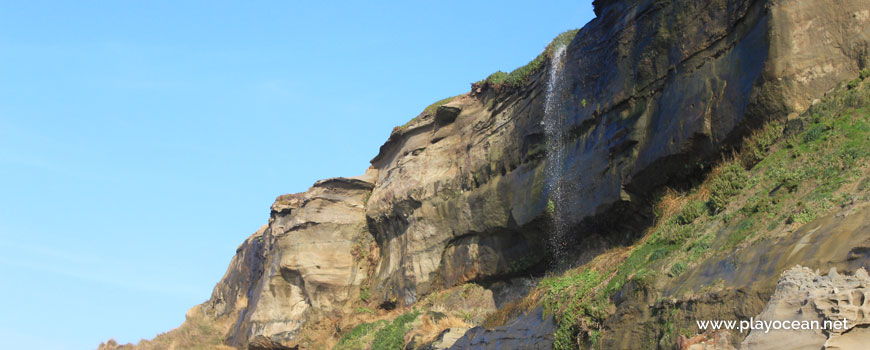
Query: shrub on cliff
point(726, 184)
point(519, 76)
point(393, 336)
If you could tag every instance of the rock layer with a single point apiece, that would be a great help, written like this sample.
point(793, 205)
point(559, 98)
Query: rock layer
point(804, 295)
point(304, 264)
point(652, 87)
point(652, 90)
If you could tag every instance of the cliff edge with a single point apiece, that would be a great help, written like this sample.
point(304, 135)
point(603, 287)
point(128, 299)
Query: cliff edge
point(651, 96)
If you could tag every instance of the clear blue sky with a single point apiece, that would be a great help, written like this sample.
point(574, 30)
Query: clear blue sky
point(142, 141)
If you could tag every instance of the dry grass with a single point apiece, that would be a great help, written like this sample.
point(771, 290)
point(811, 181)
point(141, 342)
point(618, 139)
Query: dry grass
point(670, 203)
point(511, 310)
point(325, 332)
point(196, 333)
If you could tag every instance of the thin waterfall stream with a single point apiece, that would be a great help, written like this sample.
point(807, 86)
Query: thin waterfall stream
point(555, 152)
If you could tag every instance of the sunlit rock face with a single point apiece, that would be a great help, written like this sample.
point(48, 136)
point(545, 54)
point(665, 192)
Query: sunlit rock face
point(300, 266)
point(460, 194)
point(805, 296)
point(651, 88)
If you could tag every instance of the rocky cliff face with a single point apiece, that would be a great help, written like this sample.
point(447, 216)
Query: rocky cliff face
point(652, 92)
point(654, 88)
point(307, 263)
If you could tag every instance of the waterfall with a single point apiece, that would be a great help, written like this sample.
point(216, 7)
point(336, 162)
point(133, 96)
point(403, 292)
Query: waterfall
point(555, 152)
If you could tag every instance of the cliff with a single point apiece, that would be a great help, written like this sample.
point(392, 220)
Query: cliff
point(560, 168)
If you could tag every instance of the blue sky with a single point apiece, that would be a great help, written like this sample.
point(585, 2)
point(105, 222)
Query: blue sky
point(141, 142)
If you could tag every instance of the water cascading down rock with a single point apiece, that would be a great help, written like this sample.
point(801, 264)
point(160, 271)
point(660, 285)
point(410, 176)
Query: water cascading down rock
point(456, 195)
point(555, 152)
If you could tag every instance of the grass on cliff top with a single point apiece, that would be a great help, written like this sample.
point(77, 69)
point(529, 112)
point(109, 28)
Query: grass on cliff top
point(519, 76)
point(774, 183)
point(429, 110)
point(515, 78)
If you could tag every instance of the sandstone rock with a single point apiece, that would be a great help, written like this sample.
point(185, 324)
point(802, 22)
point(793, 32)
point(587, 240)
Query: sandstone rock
point(446, 114)
point(298, 267)
point(231, 294)
point(736, 285)
point(803, 295)
point(462, 195)
point(650, 87)
point(110, 344)
point(446, 339)
point(531, 331)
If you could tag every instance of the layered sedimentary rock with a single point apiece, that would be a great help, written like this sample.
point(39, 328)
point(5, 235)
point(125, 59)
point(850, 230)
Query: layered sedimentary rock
point(739, 285)
point(307, 262)
point(651, 90)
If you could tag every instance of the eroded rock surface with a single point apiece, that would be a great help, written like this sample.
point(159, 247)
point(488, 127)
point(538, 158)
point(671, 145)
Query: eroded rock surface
point(651, 88)
point(530, 331)
point(298, 267)
point(737, 285)
point(804, 295)
point(446, 339)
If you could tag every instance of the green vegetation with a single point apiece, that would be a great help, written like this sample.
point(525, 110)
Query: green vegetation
point(669, 330)
point(571, 299)
point(698, 247)
point(778, 178)
point(727, 184)
point(781, 176)
point(430, 110)
point(755, 148)
point(465, 315)
point(515, 78)
point(364, 294)
point(364, 310)
point(677, 269)
point(740, 233)
point(690, 212)
point(366, 199)
point(362, 247)
point(380, 334)
point(519, 76)
point(359, 337)
point(392, 336)
point(579, 299)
